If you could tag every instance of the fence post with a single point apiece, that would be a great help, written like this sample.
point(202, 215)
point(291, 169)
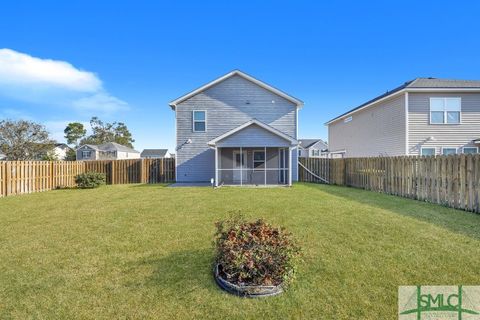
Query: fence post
point(51, 174)
point(112, 172)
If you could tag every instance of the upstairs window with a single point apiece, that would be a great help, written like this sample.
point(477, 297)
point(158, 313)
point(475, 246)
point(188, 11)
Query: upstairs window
point(199, 121)
point(445, 110)
point(86, 154)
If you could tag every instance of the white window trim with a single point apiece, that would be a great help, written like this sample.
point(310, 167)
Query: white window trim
point(85, 151)
point(442, 148)
point(434, 148)
point(193, 120)
point(463, 149)
point(444, 112)
point(264, 159)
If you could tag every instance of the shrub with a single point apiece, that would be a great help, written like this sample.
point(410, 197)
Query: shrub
point(90, 180)
point(255, 253)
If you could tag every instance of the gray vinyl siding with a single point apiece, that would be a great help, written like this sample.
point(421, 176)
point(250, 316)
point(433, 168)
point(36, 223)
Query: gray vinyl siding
point(308, 152)
point(93, 154)
point(253, 136)
point(228, 105)
point(445, 135)
point(379, 130)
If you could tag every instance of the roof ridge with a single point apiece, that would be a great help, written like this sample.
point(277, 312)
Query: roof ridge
point(244, 75)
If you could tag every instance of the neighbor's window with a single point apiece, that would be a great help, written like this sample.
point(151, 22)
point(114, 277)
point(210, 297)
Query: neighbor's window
point(470, 150)
point(427, 152)
point(199, 121)
point(86, 154)
point(445, 110)
point(447, 151)
point(258, 159)
point(299, 153)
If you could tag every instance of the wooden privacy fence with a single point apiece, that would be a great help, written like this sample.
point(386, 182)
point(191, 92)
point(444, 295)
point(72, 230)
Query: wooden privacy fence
point(19, 177)
point(452, 181)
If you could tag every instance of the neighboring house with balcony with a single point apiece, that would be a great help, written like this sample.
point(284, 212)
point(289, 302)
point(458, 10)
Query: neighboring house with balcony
point(106, 151)
point(312, 148)
point(236, 130)
point(155, 154)
point(425, 116)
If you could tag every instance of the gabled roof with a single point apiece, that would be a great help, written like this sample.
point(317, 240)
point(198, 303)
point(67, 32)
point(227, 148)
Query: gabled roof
point(115, 146)
point(62, 145)
point(249, 123)
point(91, 146)
point(419, 84)
point(109, 146)
point(307, 143)
point(161, 153)
point(262, 84)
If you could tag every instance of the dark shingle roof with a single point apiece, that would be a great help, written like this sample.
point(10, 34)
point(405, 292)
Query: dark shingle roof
point(115, 146)
point(421, 83)
point(443, 83)
point(160, 153)
point(307, 143)
point(110, 146)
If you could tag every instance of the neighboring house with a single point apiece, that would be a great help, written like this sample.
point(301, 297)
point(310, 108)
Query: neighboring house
point(425, 116)
point(60, 150)
point(236, 130)
point(106, 151)
point(155, 153)
point(3, 156)
point(312, 148)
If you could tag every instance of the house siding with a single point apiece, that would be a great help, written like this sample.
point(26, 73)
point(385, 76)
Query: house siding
point(445, 135)
point(308, 152)
point(93, 154)
point(228, 105)
point(379, 130)
point(253, 136)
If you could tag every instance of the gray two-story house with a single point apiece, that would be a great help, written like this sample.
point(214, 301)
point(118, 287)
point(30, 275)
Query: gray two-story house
point(425, 116)
point(312, 148)
point(236, 130)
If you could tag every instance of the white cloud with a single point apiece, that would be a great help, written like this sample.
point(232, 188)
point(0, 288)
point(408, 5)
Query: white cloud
point(53, 82)
point(109, 103)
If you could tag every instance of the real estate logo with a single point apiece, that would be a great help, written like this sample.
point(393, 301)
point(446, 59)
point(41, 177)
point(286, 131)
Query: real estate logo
point(438, 302)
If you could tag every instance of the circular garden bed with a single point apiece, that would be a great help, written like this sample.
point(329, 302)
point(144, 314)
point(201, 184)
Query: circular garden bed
point(254, 259)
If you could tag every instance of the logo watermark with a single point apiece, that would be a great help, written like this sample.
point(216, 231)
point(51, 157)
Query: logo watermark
point(438, 302)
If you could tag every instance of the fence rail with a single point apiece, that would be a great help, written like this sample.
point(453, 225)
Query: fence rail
point(19, 177)
point(452, 181)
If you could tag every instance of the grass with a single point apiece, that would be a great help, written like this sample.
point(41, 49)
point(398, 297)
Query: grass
point(136, 251)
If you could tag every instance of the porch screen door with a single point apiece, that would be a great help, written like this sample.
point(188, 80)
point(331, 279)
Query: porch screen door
point(239, 162)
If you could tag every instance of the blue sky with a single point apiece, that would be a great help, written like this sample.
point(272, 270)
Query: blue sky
point(125, 60)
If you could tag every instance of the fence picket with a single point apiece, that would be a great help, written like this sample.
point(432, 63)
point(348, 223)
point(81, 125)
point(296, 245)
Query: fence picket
point(452, 180)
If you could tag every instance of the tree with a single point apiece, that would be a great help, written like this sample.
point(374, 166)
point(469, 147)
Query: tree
point(71, 155)
point(24, 140)
point(74, 132)
point(108, 132)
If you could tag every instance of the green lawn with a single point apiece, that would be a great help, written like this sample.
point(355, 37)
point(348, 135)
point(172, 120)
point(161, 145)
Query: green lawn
point(136, 251)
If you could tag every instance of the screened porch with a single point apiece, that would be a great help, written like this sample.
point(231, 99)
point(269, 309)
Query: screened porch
point(253, 166)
